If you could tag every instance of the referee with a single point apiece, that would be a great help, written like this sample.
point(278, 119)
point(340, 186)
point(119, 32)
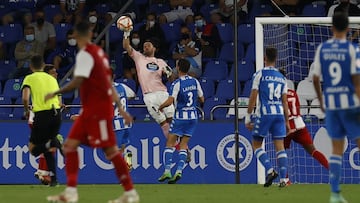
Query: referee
point(47, 119)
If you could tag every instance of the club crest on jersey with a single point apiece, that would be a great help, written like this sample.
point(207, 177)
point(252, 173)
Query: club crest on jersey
point(152, 66)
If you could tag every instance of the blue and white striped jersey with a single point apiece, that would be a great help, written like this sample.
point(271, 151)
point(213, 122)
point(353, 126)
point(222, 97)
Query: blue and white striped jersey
point(336, 61)
point(271, 85)
point(186, 90)
point(119, 123)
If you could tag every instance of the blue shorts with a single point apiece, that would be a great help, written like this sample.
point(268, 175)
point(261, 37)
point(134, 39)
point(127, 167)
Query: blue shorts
point(341, 123)
point(122, 137)
point(274, 124)
point(182, 128)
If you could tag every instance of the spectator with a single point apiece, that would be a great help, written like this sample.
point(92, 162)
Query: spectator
point(226, 10)
point(2, 51)
point(96, 27)
point(208, 35)
point(153, 30)
point(26, 19)
point(72, 10)
point(190, 50)
point(44, 32)
point(7, 19)
point(24, 50)
point(65, 58)
point(181, 11)
point(115, 6)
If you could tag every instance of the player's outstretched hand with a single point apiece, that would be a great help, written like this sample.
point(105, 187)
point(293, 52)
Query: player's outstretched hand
point(49, 96)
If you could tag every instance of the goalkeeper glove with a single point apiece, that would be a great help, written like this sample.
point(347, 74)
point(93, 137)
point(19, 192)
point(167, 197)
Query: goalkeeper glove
point(168, 71)
point(126, 34)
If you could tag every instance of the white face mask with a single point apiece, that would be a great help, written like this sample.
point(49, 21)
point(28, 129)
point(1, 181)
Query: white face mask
point(92, 19)
point(72, 42)
point(135, 41)
point(151, 23)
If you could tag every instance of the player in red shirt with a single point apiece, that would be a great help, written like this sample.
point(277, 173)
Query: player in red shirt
point(298, 131)
point(92, 75)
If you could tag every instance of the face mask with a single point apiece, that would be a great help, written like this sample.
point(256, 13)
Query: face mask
point(29, 38)
point(92, 19)
point(151, 23)
point(72, 42)
point(40, 21)
point(199, 23)
point(135, 41)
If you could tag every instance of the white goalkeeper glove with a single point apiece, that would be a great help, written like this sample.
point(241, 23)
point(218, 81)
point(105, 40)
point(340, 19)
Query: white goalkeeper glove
point(127, 34)
point(168, 71)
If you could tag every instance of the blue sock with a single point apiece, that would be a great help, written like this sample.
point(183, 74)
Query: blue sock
point(168, 155)
point(283, 162)
point(181, 162)
point(335, 170)
point(264, 159)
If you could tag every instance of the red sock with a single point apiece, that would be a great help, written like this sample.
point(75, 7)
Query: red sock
point(122, 171)
point(321, 158)
point(42, 163)
point(72, 168)
point(165, 128)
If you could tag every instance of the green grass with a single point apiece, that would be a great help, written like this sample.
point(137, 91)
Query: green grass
point(163, 193)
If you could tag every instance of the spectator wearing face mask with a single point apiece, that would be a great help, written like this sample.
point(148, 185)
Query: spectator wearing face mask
point(24, 50)
point(152, 30)
point(44, 31)
point(96, 27)
point(65, 57)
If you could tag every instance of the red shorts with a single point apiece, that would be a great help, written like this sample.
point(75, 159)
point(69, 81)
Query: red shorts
point(94, 132)
point(301, 136)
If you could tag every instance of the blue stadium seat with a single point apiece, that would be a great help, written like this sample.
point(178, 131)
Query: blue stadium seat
point(246, 33)
point(314, 10)
point(226, 32)
point(12, 88)
point(206, 9)
point(227, 52)
point(172, 32)
point(6, 67)
point(216, 70)
point(210, 103)
point(4, 9)
point(259, 10)
point(102, 9)
point(159, 8)
point(137, 26)
point(61, 30)
point(129, 82)
point(250, 53)
point(68, 95)
point(246, 90)
point(208, 87)
point(245, 70)
point(11, 33)
point(5, 111)
point(51, 11)
point(226, 89)
point(17, 114)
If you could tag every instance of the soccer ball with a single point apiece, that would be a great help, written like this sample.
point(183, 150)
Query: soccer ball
point(124, 23)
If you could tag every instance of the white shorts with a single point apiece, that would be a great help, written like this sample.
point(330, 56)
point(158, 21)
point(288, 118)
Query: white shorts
point(153, 100)
point(180, 13)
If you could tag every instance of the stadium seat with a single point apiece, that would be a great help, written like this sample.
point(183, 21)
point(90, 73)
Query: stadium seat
point(17, 114)
point(259, 10)
point(172, 32)
point(314, 9)
point(246, 70)
point(61, 30)
point(12, 88)
point(102, 9)
point(315, 109)
point(11, 33)
point(242, 101)
point(246, 90)
point(226, 89)
point(210, 103)
point(306, 90)
point(159, 8)
point(4, 9)
point(115, 35)
point(226, 32)
point(227, 52)
point(129, 82)
point(5, 111)
point(246, 33)
point(250, 53)
point(137, 26)
point(68, 96)
point(51, 10)
point(25, 4)
point(6, 67)
point(216, 70)
point(206, 9)
point(208, 87)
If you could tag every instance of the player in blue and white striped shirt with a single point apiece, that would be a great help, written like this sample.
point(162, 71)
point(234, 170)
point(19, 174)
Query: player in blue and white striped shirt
point(337, 61)
point(184, 93)
point(269, 88)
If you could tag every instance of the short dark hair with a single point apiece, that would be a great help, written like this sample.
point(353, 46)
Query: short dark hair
point(340, 21)
point(271, 54)
point(37, 62)
point(184, 65)
point(154, 41)
point(82, 28)
point(48, 67)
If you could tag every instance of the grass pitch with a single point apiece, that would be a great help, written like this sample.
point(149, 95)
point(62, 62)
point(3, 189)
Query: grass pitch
point(189, 193)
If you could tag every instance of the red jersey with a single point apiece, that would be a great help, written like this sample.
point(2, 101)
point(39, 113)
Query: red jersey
point(95, 91)
point(295, 120)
